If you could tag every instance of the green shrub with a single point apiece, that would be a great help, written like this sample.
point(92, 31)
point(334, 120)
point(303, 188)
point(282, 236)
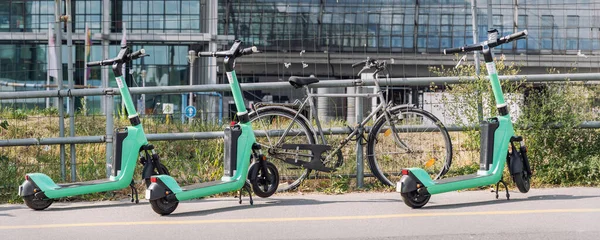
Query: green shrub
point(560, 152)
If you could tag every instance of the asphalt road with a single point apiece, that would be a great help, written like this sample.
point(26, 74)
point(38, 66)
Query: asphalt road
point(563, 213)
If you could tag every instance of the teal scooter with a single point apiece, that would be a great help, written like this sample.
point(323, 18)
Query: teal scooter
point(416, 187)
point(240, 146)
point(38, 191)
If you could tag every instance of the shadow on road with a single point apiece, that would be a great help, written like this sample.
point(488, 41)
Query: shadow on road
point(270, 202)
point(72, 208)
point(2, 208)
point(501, 200)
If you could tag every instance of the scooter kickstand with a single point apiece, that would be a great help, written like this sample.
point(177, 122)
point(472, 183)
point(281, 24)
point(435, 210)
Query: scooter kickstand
point(505, 187)
point(248, 189)
point(134, 191)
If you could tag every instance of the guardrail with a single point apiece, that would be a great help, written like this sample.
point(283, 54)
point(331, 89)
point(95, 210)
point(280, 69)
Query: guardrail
point(422, 81)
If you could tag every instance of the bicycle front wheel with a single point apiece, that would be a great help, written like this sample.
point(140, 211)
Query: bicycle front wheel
point(413, 138)
point(269, 125)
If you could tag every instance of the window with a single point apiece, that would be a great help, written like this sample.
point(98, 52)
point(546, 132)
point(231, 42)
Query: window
point(161, 15)
point(522, 25)
point(572, 32)
point(547, 31)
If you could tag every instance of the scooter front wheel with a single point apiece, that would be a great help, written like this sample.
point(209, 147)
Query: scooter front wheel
point(414, 199)
point(37, 204)
point(522, 181)
point(163, 207)
point(264, 184)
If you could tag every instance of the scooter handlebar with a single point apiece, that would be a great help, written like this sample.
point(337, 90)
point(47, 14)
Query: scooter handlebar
point(514, 36)
point(467, 48)
point(250, 50)
point(245, 51)
point(132, 56)
point(138, 54)
point(479, 46)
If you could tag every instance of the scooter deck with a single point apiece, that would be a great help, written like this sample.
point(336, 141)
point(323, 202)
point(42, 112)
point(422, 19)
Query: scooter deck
point(80, 184)
point(203, 185)
point(459, 178)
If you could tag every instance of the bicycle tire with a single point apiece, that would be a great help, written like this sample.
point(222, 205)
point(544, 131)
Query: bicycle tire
point(290, 176)
point(437, 156)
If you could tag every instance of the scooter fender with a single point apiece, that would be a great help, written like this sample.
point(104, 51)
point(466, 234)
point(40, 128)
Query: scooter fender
point(159, 188)
point(26, 189)
point(155, 191)
point(515, 163)
point(41, 181)
point(406, 184)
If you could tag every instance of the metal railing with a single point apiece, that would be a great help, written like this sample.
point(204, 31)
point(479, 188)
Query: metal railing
point(109, 92)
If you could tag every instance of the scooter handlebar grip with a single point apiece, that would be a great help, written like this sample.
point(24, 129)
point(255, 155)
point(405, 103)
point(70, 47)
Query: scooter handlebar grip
point(101, 63)
point(514, 36)
point(452, 50)
point(138, 54)
point(206, 54)
point(250, 50)
point(95, 63)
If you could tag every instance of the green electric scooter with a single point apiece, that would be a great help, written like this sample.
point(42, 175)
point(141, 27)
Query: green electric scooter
point(240, 146)
point(38, 191)
point(416, 187)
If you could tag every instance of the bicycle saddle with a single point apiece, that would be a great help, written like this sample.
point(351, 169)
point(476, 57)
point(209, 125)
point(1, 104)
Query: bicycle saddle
point(298, 82)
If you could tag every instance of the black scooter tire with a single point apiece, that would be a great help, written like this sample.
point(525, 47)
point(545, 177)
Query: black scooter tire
point(412, 199)
point(163, 207)
point(37, 204)
point(522, 181)
point(257, 178)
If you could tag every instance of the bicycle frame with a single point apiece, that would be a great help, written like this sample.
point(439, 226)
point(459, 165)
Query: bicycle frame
point(383, 106)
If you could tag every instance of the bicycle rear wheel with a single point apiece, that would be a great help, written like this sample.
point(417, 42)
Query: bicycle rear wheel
point(423, 142)
point(269, 125)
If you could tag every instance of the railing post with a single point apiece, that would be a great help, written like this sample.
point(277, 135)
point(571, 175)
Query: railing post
point(71, 99)
point(359, 145)
point(59, 83)
point(109, 133)
point(191, 58)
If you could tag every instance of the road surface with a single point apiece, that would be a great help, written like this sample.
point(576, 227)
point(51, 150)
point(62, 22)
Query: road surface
point(560, 213)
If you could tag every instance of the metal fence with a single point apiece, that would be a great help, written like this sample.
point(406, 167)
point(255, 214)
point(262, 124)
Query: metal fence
point(108, 94)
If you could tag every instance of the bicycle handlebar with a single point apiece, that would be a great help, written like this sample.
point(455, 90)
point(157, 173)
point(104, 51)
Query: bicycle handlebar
point(370, 63)
point(359, 63)
point(479, 46)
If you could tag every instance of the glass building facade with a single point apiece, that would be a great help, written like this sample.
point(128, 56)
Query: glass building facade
point(25, 60)
point(414, 32)
point(423, 26)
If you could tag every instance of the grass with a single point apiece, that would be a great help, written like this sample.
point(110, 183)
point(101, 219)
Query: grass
point(188, 161)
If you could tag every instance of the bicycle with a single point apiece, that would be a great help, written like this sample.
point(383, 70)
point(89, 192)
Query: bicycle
point(414, 138)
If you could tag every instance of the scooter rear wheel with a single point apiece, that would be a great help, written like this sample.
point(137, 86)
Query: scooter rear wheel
point(162, 206)
point(264, 184)
point(414, 199)
point(37, 204)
